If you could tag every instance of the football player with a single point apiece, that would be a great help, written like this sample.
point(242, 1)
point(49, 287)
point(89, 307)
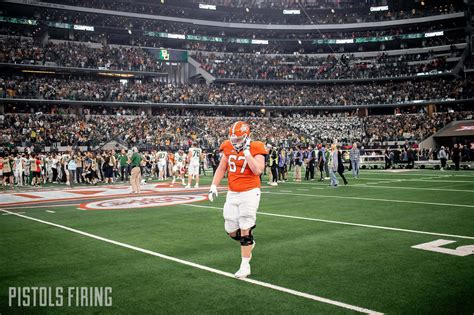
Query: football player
point(162, 156)
point(7, 170)
point(170, 163)
point(194, 160)
point(179, 166)
point(244, 161)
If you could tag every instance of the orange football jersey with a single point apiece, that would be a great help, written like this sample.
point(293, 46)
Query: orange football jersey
point(240, 176)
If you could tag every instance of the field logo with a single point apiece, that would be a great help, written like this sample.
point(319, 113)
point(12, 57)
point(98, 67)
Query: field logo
point(141, 202)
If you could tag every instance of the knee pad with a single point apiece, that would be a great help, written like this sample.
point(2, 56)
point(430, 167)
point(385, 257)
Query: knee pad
point(246, 240)
point(237, 236)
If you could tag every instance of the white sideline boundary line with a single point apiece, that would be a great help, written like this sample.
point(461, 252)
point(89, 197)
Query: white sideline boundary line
point(420, 173)
point(346, 223)
point(421, 179)
point(206, 268)
point(371, 185)
point(374, 199)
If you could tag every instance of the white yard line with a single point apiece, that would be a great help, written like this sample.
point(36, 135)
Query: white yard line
point(202, 267)
point(375, 199)
point(346, 223)
point(10, 213)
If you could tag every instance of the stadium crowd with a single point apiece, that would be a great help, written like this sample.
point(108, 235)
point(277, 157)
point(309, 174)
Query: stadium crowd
point(135, 25)
point(277, 67)
point(87, 161)
point(165, 130)
point(279, 42)
point(328, 16)
point(93, 89)
point(67, 54)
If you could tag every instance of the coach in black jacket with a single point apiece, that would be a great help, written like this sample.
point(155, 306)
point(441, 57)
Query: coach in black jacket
point(340, 166)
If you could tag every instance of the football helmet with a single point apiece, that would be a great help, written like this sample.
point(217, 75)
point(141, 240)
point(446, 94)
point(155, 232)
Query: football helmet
point(239, 132)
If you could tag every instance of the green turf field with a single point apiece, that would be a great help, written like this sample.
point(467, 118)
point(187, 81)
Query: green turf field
point(350, 245)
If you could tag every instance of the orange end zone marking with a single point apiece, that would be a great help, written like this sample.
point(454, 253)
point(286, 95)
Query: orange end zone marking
point(27, 196)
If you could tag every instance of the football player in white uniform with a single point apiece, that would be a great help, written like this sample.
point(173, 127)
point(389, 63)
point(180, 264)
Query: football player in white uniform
point(194, 160)
point(19, 166)
point(179, 166)
point(161, 157)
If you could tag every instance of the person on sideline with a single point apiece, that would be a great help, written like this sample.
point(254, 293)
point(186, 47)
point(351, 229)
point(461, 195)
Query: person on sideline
point(340, 165)
point(194, 160)
point(135, 177)
point(443, 157)
point(298, 158)
point(333, 165)
point(355, 160)
point(71, 168)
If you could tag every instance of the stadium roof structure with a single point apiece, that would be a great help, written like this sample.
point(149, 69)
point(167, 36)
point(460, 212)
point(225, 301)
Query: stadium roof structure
point(462, 128)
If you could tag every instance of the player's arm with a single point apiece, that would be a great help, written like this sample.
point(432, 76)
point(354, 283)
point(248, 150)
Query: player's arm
point(255, 163)
point(220, 172)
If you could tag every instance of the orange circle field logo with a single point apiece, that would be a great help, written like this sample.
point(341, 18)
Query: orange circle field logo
point(141, 202)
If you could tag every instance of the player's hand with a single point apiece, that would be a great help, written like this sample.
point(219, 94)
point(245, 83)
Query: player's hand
point(212, 193)
point(247, 147)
